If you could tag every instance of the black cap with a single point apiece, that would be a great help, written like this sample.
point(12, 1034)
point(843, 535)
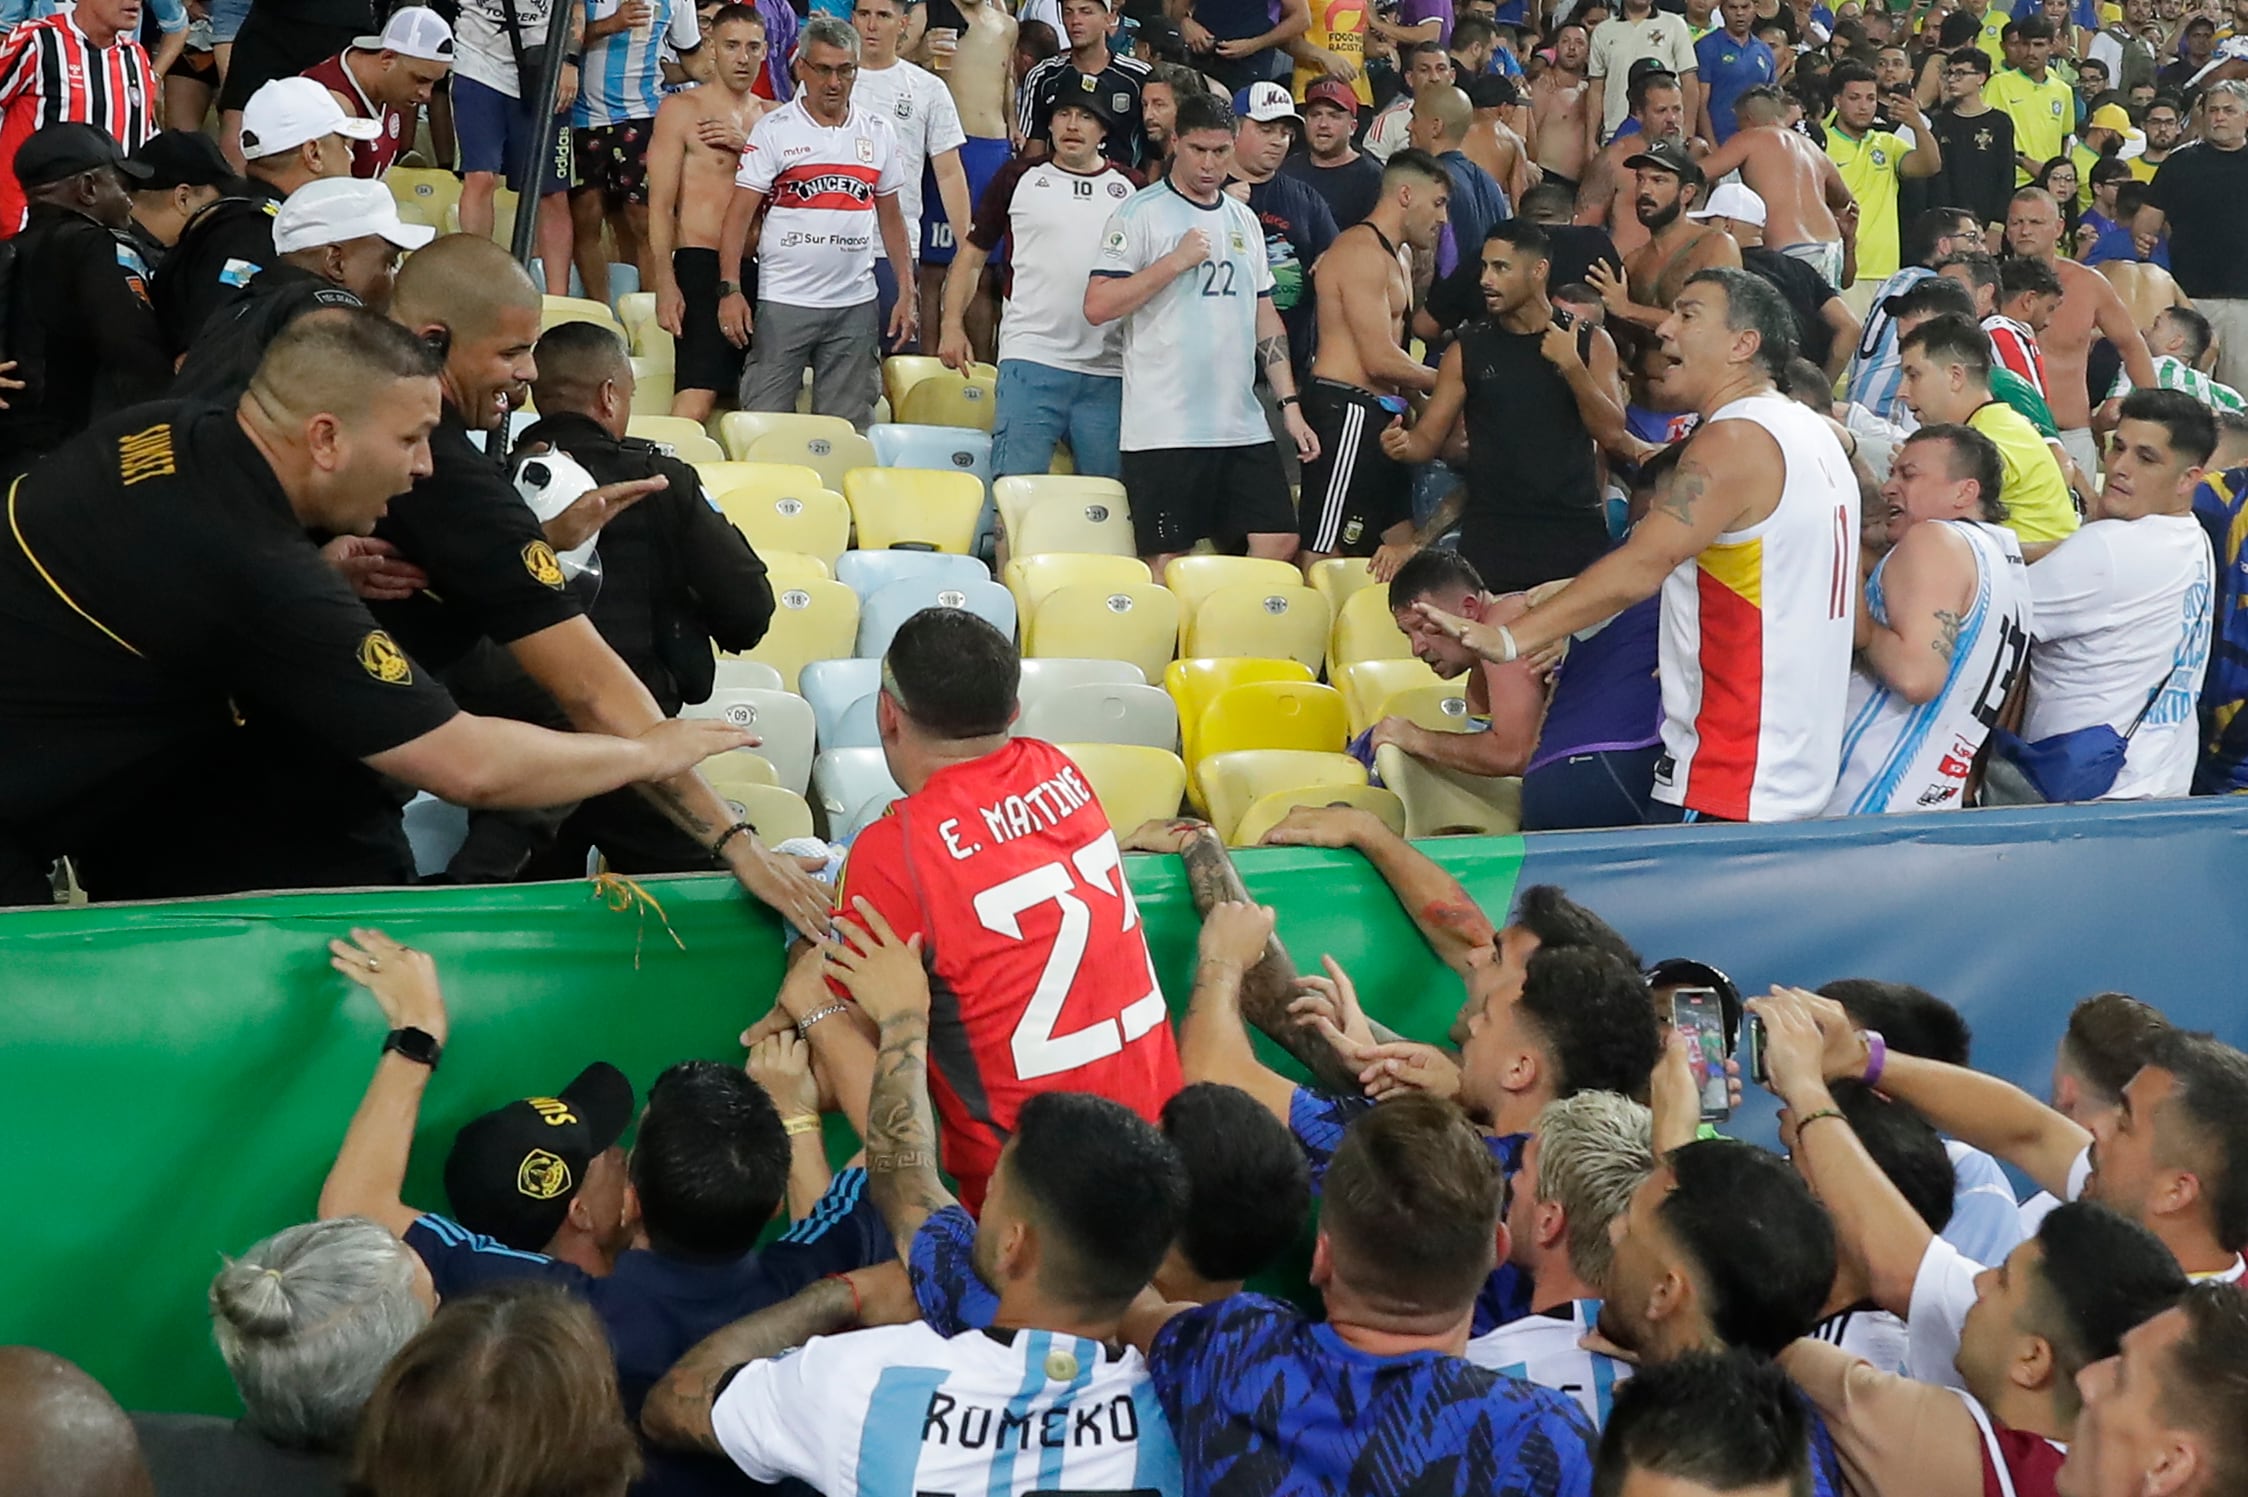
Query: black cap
point(1668, 156)
point(1685, 972)
point(56, 153)
point(514, 1171)
point(182, 158)
point(1083, 91)
point(1491, 91)
point(1163, 37)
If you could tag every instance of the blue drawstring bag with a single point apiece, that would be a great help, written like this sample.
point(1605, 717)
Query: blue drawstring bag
point(2079, 765)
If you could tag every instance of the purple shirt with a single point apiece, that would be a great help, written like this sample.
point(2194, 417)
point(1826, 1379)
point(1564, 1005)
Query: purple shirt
point(1607, 697)
point(1413, 12)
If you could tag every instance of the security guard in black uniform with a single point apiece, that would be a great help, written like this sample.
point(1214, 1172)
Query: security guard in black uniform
point(78, 322)
point(676, 577)
point(158, 590)
point(293, 132)
point(493, 574)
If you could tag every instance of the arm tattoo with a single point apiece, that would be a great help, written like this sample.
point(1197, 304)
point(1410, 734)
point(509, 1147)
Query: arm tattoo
point(1946, 642)
point(901, 1131)
point(1271, 351)
point(678, 1409)
point(1685, 490)
point(673, 807)
point(1269, 987)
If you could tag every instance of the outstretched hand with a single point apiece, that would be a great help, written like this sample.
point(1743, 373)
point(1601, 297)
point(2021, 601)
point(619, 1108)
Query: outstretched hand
point(403, 980)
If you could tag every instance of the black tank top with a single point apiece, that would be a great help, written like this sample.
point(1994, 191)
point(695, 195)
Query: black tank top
point(1533, 511)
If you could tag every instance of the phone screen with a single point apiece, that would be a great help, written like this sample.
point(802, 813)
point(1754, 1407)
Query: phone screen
point(1697, 1014)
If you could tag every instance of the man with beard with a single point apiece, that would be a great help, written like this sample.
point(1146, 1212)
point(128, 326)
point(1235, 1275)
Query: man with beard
point(1605, 199)
point(1348, 181)
point(1677, 248)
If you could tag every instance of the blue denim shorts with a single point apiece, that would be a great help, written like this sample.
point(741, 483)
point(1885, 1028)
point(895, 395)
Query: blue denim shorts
point(1040, 406)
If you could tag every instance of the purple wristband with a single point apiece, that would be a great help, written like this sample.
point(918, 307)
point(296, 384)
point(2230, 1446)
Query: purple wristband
point(1877, 1056)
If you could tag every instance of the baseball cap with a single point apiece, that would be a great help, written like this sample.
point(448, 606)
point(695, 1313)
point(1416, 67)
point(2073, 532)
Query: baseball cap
point(1686, 972)
point(1668, 156)
point(1491, 91)
point(56, 153)
point(412, 31)
point(334, 210)
point(1265, 102)
point(1083, 91)
point(287, 112)
point(2111, 117)
point(1163, 37)
point(513, 1172)
point(1332, 91)
point(182, 158)
point(1732, 200)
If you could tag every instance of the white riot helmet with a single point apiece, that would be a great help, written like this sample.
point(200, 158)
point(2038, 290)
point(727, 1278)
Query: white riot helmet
point(550, 482)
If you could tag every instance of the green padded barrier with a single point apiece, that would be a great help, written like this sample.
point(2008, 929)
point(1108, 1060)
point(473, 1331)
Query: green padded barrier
point(180, 1074)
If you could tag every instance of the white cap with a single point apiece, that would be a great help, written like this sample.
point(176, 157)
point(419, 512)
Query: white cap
point(337, 210)
point(1732, 200)
point(413, 31)
point(287, 112)
point(1265, 102)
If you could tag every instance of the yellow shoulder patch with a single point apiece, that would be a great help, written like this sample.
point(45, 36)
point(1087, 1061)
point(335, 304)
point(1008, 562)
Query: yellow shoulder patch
point(540, 561)
point(380, 657)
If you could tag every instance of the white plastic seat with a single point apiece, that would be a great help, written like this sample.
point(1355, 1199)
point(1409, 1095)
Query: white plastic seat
point(831, 686)
point(1060, 671)
point(1102, 714)
point(739, 674)
point(781, 718)
point(868, 572)
point(893, 605)
point(853, 786)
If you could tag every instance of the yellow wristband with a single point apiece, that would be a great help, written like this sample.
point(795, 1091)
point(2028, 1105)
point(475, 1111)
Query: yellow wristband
point(809, 1123)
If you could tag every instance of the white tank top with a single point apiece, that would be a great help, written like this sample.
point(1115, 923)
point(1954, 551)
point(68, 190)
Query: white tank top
point(1902, 756)
point(1756, 638)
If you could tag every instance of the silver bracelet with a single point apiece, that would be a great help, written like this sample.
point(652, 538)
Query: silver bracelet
point(804, 1025)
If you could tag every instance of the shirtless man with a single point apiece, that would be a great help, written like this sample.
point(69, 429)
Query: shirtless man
point(1492, 143)
point(1804, 196)
point(1557, 108)
point(2146, 288)
point(692, 157)
point(1610, 190)
point(1677, 247)
point(978, 65)
point(2089, 308)
point(1355, 496)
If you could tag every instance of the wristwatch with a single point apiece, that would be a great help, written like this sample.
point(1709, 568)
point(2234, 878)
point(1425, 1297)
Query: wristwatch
point(417, 1045)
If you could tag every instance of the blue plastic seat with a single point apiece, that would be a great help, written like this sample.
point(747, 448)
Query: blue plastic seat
point(831, 686)
point(868, 572)
point(881, 615)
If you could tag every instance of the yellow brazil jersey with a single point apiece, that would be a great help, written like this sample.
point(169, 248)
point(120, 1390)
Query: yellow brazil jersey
point(1992, 39)
point(2038, 505)
point(2044, 114)
point(1338, 26)
point(2141, 168)
point(1869, 169)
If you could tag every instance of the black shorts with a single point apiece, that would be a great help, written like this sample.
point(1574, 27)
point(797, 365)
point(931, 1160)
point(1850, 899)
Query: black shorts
point(272, 46)
point(1353, 491)
point(613, 161)
point(1181, 495)
point(703, 358)
point(196, 67)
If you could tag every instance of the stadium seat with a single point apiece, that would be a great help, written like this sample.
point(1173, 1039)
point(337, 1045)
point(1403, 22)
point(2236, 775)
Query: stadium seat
point(686, 439)
point(1102, 714)
point(1015, 494)
point(1195, 684)
point(1364, 630)
point(435, 830)
point(781, 480)
point(651, 390)
point(423, 194)
point(882, 613)
point(814, 621)
point(777, 814)
point(1446, 802)
point(1231, 783)
point(1031, 578)
point(949, 399)
point(1194, 578)
point(1271, 714)
point(1338, 577)
point(1441, 708)
point(1133, 783)
point(782, 718)
point(636, 309)
point(738, 430)
point(1267, 811)
point(1368, 684)
point(853, 786)
point(783, 568)
point(831, 686)
point(902, 371)
point(868, 572)
point(857, 727)
point(655, 345)
point(1139, 623)
point(914, 507)
point(810, 521)
point(1261, 620)
point(556, 310)
point(958, 449)
point(756, 675)
point(830, 456)
point(1089, 526)
point(1057, 674)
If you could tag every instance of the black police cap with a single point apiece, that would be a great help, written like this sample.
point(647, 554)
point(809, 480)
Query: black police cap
point(56, 153)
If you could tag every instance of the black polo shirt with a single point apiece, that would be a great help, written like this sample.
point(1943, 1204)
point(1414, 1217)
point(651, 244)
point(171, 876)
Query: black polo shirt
point(161, 590)
point(492, 574)
point(218, 252)
point(226, 353)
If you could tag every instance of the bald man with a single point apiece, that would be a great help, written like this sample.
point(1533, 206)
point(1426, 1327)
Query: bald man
point(492, 609)
point(61, 1434)
point(1442, 116)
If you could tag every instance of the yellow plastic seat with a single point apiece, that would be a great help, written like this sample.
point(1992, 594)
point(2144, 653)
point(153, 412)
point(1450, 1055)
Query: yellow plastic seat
point(556, 310)
point(1194, 578)
point(1195, 684)
point(636, 310)
point(786, 568)
point(1138, 623)
point(810, 520)
point(1447, 803)
point(1441, 708)
point(1231, 783)
point(684, 437)
point(655, 345)
point(1133, 783)
point(832, 457)
point(914, 506)
point(777, 813)
point(946, 398)
point(775, 480)
point(1097, 526)
point(651, 389)
point(1272, 714)
point(737, 430)
point(503, 215)
point(1015, 494)
point(1338, 577)
point(740, 769)
point(424, 193)
point(812, 621)
point(1031, 578)
point(1367, 686)
point(1267, 811)
point(902, 371)
point(1365, 630)
point(1255, 618)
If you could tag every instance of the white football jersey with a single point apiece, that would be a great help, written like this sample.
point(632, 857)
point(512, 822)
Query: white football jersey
point(1542, 1349)
point(900, 1410)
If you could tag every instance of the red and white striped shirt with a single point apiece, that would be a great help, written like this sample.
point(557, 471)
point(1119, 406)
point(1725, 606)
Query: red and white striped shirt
point(2014, 346)
point(817, 247)
point(50, 74)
